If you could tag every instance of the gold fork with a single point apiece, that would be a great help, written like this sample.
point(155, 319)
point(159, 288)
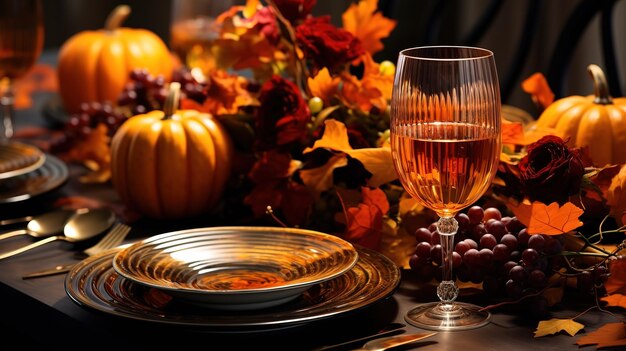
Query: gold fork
point(113, 238)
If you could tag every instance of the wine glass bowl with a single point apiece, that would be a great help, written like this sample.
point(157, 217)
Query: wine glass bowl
point(21, 43)
point(445, 143)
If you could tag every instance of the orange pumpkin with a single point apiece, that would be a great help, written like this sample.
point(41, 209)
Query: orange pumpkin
point(596, 122)
point(95, 65)
point(171, 164)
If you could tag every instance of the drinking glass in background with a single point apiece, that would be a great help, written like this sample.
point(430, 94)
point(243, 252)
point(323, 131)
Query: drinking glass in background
point(194, 29)
point(21, 42)
point(445, 144)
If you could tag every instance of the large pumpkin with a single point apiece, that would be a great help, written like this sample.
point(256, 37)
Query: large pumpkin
point(596, 122)
point(172, 163)
point(95, 65)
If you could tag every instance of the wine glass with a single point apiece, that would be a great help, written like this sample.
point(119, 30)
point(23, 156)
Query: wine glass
point(445, 143)
point(21, 42)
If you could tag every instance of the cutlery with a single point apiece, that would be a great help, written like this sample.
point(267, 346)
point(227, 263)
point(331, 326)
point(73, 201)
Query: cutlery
point(387, 330)
point(112, 239)
point(388, 342)
point(41, 226)
point(81, 226)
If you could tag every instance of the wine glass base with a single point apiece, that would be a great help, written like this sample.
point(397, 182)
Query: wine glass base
point(439, 316)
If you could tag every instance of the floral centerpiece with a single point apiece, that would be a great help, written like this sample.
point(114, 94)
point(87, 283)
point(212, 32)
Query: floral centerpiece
point(307, 107)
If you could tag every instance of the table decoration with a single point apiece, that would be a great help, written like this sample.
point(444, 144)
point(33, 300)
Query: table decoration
point(236, 268)
point(173, 163)
point(94, 283)
point(311, 151)
point(93, 65)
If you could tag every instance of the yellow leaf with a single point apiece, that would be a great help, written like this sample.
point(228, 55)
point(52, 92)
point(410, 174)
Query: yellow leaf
point(378, 162)
point(335, 137)
point(250, 9)
point(556, 325)
point(551, 219)
point(320, 179)
point(362, 20)
point(609, 335)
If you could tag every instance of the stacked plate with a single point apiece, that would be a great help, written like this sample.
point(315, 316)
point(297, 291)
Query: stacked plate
point(224, 277)
point(26, 171)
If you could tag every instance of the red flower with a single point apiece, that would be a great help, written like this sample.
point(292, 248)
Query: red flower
point(551, 172)
point(295, 10)
point(274, 187)
point(326, 45)
point(283, 114)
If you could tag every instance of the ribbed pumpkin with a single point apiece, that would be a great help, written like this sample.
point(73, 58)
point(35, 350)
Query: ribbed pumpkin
point(95, 65)
point(597, 122)
point(171, 164)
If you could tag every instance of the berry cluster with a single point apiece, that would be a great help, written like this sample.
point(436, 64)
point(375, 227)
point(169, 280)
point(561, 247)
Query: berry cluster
point(490, 249)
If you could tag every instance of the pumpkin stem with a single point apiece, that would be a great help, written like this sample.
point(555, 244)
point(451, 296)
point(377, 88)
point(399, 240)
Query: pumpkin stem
point(600, 86)
point(171, 101)
point(116, 17)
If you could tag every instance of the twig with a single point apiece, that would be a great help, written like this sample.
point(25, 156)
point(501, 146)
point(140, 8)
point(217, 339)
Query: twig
point(504, 303)
point(270, 212)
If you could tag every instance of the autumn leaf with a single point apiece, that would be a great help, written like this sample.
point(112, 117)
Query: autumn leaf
point(615, 195)
point(609, 335)
point(376, 160)
point(556, 325)
point(320, 179)
point(370, 26)
point(537, 86)
point(552, 219)
point(513, 133)
point(324, 86)
point(365, 221)
point(41, 77)
point(615, 300)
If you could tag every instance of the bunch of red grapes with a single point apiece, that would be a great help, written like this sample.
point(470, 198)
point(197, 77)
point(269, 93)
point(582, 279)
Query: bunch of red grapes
point(143, 93)
point(490, 249)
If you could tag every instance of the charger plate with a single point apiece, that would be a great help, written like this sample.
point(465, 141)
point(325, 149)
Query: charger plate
point(18, 158)
point(94, 284)
point(50, 176)
point(236, 268)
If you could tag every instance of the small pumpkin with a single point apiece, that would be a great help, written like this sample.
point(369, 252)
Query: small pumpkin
point(95, 65)
point(596, 122)
point(171, 164)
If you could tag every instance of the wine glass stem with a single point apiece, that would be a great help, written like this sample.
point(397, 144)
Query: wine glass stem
point(6, 110)
point(447, 289)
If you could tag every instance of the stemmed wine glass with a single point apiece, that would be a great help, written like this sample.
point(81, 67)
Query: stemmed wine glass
point(445, 143)
point(21, 42)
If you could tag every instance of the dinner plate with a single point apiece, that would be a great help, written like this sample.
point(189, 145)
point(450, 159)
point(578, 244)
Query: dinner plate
point(51, 175)
point(18, 158)
point(236, 268)
point(94, 284)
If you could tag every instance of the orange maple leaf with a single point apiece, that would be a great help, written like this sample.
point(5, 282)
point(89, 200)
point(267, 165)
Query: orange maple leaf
point(609, 335)
point(513, 133)
point(616, 300)
point(552, 219)
point(537, 86)
point(324, 86)
point(320, 179)
point(41, 77)
point(364, 222)
point(370, 26)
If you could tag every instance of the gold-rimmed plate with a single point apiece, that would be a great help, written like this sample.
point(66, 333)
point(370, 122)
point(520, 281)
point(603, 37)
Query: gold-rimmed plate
point(17, 158)
point(94, 284)
point(236, 268)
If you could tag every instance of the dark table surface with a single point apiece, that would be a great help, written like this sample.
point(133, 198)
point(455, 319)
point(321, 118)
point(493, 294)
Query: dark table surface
point(38, 314)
